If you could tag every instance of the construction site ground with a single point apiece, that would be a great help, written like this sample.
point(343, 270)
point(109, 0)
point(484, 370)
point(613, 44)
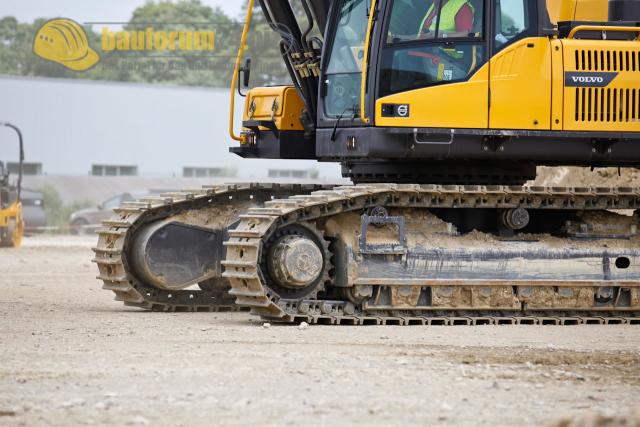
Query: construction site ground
point(69, 354)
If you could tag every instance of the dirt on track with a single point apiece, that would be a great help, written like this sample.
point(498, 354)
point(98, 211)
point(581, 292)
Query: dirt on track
point(71, 355)
point(585, 177)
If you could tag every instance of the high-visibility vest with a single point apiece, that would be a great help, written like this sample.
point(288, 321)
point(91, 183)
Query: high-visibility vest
point(447, 16)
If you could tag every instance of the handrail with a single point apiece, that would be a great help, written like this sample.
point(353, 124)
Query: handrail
point(579, 28)
point(365, 63)
point(21, 154)
point(234, 81)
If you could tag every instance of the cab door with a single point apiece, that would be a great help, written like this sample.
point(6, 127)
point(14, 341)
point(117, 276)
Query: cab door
point(520, 68)
point(432, 65)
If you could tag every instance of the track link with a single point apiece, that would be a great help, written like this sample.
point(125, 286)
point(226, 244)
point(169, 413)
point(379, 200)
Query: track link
point(242, 266)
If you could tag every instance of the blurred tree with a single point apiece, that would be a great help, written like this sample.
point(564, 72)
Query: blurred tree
point(200, 68)
point(17, 57)
point(192, 68)
point(263, 47)
point(14, 43)
point(179, 67)
point(56, 211)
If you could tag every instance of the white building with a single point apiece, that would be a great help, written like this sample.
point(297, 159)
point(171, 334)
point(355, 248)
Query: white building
point(71, 125)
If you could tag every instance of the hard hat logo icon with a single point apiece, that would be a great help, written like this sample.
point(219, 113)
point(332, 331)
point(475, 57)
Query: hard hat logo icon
point(65, 42)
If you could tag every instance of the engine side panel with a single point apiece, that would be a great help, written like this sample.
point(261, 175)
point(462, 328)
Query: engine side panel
point(601, 85)
point(521, 86)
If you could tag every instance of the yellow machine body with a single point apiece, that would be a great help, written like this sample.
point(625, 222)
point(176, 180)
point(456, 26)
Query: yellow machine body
point(578, 10)
point(11, 225)
point(278, 104)
point(525, 94)
point(448, 110)
point(532, 72)
point(11, 219)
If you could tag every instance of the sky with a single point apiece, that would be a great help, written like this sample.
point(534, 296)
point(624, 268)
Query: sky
point(92, 10)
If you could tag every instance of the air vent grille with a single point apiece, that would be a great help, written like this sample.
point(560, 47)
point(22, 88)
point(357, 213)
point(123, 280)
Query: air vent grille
point(607, 105)
point(607, 60)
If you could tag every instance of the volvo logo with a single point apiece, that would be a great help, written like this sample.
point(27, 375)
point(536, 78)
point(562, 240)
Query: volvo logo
point(589, 79)
point(396, 110)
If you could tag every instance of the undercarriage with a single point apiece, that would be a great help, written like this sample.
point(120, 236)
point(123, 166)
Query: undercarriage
point(382, 254)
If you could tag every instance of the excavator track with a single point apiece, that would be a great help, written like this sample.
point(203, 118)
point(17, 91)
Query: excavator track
point(598, 295)
point(116, 239)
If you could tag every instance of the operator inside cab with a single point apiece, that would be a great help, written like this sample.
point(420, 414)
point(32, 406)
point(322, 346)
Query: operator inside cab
point(426, 43)
point(456, 20)
point(432, 42)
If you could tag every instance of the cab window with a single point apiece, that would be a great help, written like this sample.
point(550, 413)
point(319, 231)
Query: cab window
point(431, 42)
point(514, 21)
point(343, 75)
point(425, 19)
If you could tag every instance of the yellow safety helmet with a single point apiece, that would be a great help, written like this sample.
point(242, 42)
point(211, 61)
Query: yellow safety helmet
point(65, 42)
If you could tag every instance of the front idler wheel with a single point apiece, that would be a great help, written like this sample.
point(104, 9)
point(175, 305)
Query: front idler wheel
point(295, 262)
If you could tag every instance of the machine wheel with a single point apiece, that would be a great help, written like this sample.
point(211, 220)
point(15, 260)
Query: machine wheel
point(4, 237)
point(11, 235)
point(16, 227)
point(296, 262)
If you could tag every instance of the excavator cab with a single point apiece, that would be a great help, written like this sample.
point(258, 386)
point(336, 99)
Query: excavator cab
point(423, 44)
point(11, 220)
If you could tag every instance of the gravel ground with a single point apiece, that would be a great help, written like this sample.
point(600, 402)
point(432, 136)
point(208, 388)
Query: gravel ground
point(71, 355)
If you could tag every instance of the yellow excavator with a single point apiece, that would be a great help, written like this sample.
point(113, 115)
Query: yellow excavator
point(439, 111)
point(11, 221)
